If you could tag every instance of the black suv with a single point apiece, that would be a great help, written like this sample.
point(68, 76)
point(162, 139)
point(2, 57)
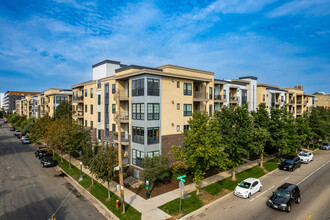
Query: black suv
point(284, 197)
point(47, 161)
point(290, 163)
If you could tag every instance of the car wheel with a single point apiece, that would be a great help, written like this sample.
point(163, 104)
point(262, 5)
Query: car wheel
point(298, 200)
point(249, 195)
point(288, 209)
point(260, 189)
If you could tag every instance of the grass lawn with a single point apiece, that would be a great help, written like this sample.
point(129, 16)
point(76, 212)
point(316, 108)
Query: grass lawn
point(215, 189)
point(98, 191)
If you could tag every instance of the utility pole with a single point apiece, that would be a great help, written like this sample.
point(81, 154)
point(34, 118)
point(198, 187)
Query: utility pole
point(119, 154)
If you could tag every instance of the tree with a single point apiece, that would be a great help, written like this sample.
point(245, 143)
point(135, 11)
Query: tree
point(104, 166)
point(292, 137)
point(29, 124)
point(63, 110)
point(39, 129)
point(304, 131)
point(277, 130)
point(1, 114)
point(89, 155)
point(319, 121)
point(202, 148)
point(156, 168)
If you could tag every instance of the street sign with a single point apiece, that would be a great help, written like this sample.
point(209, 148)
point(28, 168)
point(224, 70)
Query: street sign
point(181, 177)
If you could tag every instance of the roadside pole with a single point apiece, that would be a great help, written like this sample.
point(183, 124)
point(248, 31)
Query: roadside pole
point(181, 186)
point(119, 154)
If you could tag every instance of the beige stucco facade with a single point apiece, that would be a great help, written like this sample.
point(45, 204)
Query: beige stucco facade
point(322, 100)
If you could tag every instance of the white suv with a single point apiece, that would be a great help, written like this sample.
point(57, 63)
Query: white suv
point(248, 187)
point(305, 156)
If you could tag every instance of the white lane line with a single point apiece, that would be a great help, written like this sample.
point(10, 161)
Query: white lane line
point(252, 199)
point(312, 173)
point(285, 179)
point(264, 192)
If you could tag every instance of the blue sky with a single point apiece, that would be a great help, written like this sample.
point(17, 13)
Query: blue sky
point(46, 44)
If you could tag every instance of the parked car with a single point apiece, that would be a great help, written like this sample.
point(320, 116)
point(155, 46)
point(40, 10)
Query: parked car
point(325, 146)
point(284, 197)
point(306, 156)
point(290, 163)
point(17, 132)
point(41, 153)
point(248, 187)
point(12, 129)
point(25, 140)
point(5, 121)
point(47, 161)
point(19, 135)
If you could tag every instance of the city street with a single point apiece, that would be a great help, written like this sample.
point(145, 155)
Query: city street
point(313, 180)
point(28, 191)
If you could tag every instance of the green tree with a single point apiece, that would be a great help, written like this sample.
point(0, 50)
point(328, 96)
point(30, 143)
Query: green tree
point(304, 131)
point(89, 155)
point(202, 148)
point(104, 166)
point(39, 129)
point(319, 121)
point(1, 114)
point(277, 130)
point(63, 110)
point(292, 137)
point(29, 124)
point(156, 169)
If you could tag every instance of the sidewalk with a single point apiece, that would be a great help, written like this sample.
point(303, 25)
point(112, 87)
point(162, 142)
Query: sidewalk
point(149, 208)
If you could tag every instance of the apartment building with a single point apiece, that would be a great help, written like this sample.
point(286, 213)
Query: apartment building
point(10, 98)
point(271, 95)
point(155, 105)
point(298, 101)
point(1, 100)
point(27, 106)
point(321, 99)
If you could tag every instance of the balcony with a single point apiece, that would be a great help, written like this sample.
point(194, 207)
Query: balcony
point(292, 102)
point(200, 96)
point(78, 99)
point(299, 112)
point(78, 115)
point(219, 98)
point(123, 95)
point(124, 117)
point(233, 99)
point(124, 140)
point(299, 102)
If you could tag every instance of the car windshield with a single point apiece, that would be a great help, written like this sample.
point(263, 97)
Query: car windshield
point(244, 185)
point(282, 193)
point(289, 161)
point(303, 154)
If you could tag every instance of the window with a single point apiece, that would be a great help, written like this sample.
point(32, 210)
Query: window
point(85, 123)
point(106, 130)
point(224, 94)
point(178, 128)
point(210, 109)
point(178, 106)
point(91, 109)
point(91, 92)
point(138, 87)
point(187, 109)
point(137, 157)
point(153, 87)
point(138, 111)
point(153, 153)
point(177, 84)
point(113, 127)
point(60, 99)
point(91, 124)
point(153, 111)
point(106, 92)
point(210, 93)
point(153, 135)
point(85, 92)
point(98, 83)
point(263, 97)
point(186, 127)
point(138, 135)
point(187, 89)
point(99, 117)
point(106, 108)
point(99, 99)
point(113, 108)
point(85, 108)
point(113, 88)
point(99, 134)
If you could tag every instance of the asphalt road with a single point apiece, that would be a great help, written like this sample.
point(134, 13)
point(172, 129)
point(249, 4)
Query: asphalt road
point(313, 180)
point(28, 191)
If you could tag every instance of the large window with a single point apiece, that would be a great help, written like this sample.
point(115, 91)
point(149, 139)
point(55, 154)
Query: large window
point(113, 108)
point(60, 99)
point(210, 93)
point(99, 117)
point(153, 153)
point(153, 135)
point(91, 92)
point(98, 83)
point(138, 135)
point(113, 88)
point(187, 109)
point(85, 92)
point(138, 87)
point(91, 109)
point(153, 111)
point(137, 157)
point(153, 87)
point(187, 89)
point(138, 111)
point(99, 99)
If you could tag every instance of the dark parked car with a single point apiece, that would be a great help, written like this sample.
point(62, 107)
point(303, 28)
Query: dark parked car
point(290, 163)
point(41, 153)
point(12, 129)
point(19, 135)
point(47, 161)
point(325, 146)
point(284, 197)
point(5, 121)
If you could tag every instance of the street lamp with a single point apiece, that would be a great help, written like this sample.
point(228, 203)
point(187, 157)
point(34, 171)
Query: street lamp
point(81, 178)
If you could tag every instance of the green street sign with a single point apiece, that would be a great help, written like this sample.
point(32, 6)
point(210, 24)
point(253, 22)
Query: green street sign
point(181, 177)
point(183, 180)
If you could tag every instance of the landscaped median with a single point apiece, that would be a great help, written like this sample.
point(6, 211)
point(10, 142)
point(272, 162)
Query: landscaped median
point(98, 191)
point(214, 191)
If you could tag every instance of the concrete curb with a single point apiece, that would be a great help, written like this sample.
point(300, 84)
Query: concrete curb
point(87, 195)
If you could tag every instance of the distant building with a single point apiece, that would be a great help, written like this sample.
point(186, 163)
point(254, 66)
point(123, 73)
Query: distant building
point(10, 98)
point(321, 99)
point(2, 95)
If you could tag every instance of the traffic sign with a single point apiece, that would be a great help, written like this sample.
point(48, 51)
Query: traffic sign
point(181, 177)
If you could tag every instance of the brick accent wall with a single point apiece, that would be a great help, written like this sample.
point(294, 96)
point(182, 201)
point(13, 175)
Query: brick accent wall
point(168, 141)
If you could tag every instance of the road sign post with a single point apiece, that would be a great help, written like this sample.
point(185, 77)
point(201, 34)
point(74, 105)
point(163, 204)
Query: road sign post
point(181, 185)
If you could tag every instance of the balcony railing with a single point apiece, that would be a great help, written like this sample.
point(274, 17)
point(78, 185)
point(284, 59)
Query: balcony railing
point(79, 114)
point(233, 99)
point(200, 95)
point(299, 102)
point(78, 98)
point(124, 116)
point(299, 112)
point(123, 94)
point(292, 102)
point(123, 138)
point(220, 97)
